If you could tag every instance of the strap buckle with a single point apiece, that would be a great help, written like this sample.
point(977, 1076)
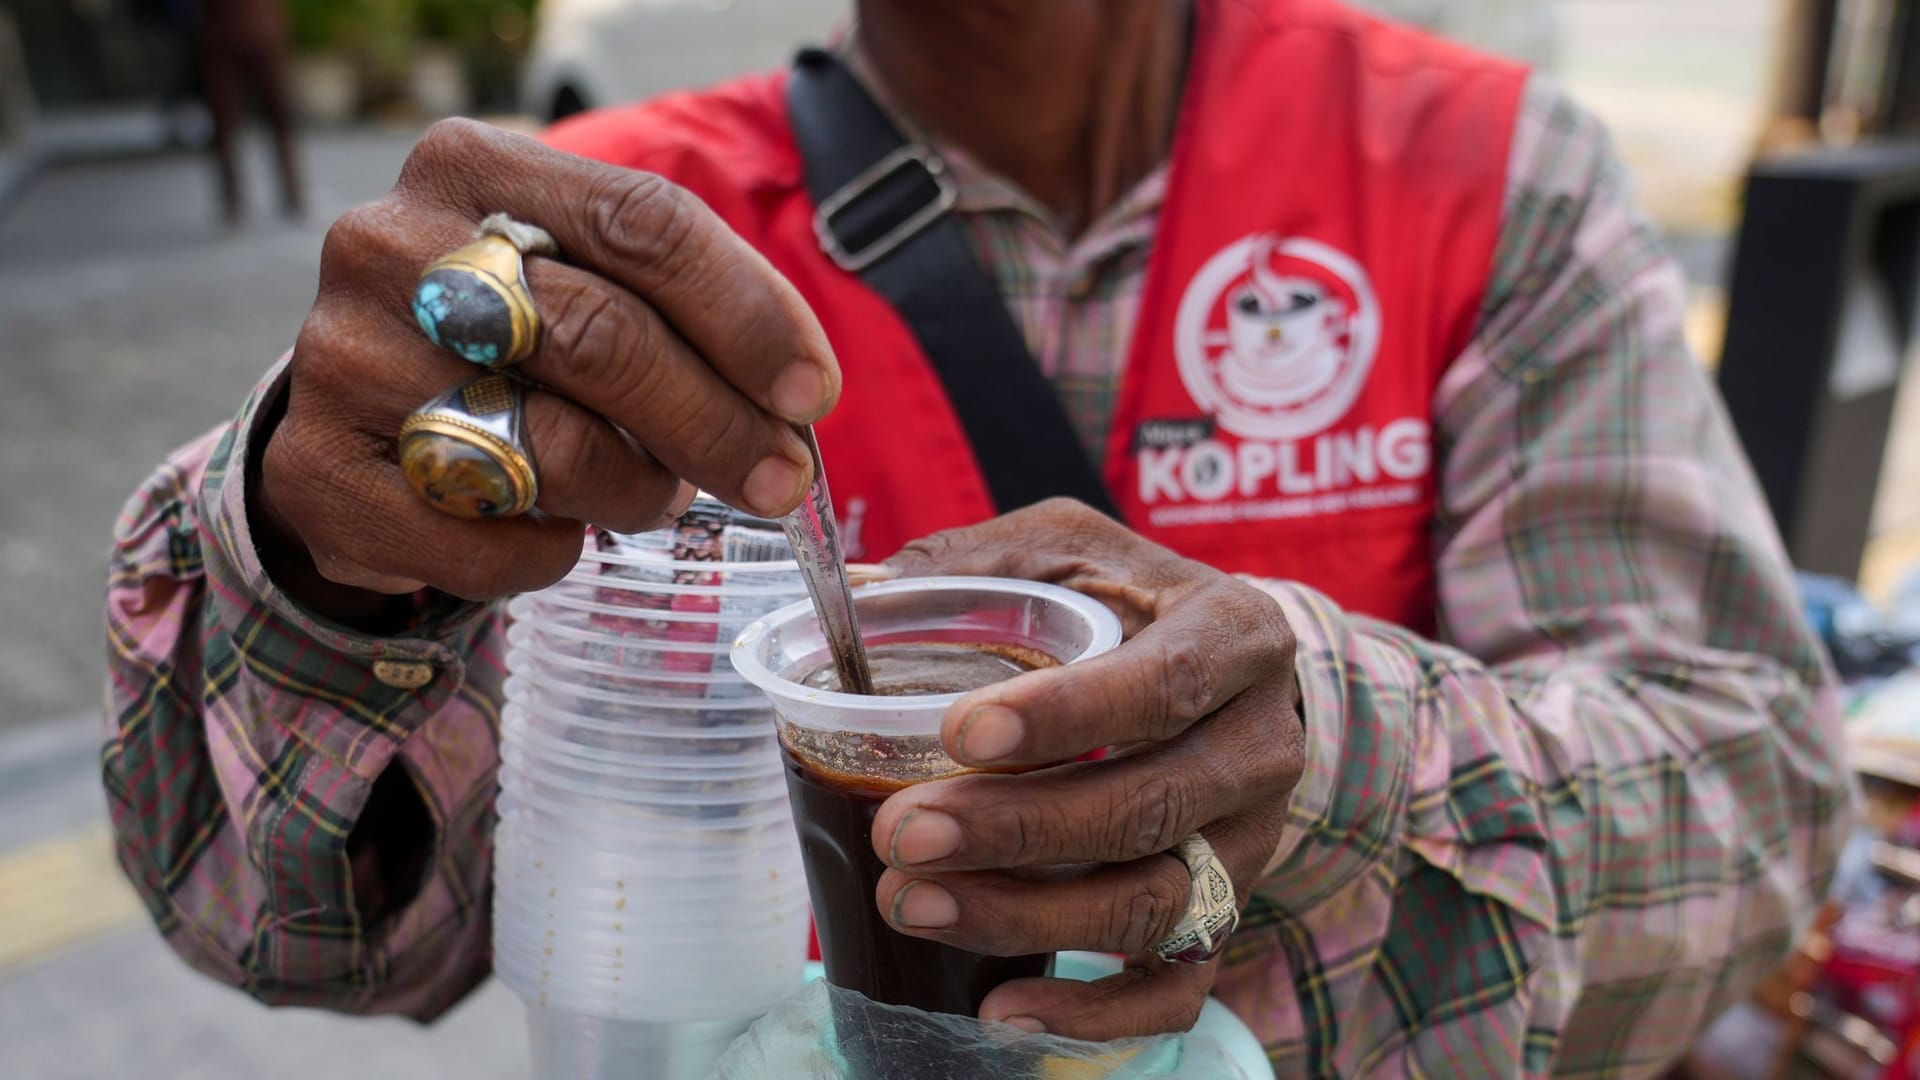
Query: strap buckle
point(897, 163)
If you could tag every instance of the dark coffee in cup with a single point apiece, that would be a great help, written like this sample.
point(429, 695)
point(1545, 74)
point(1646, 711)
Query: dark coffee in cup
point(837, 784)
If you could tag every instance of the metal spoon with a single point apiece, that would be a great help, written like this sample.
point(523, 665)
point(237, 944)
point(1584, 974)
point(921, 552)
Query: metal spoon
point(816, 544)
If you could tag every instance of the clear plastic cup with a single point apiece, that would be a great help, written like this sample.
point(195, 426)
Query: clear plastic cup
point(618, 1003)
point(621, 833)
point(640, 612)
point(530, 859)
point(590, 691)
point(713, 986)
point(575, 650)
point(591, 750)
point(697, 797)
point(621, 703)
point(692, 922)
point(574, 1046)
point(689, 989)
point(721, 735)
point(619, 840)
point(589, 793)
point(750, 993)
point(655, 932)
point(610, 574)
point(646, 742)
point(594, 815)
point(846, 752)
point(603, 679)
point(650, 956)
point(631, 648)
point(727, 774)
point(636, 875)
point(641, 875)
point(688, 900)
point(733, 748)
point(626, 834)
point(672, 896)
point(669, 964)
point(581, 659)
point(697, 760)
point(668, 630)
point(659, 930)
point(591, 722)
point(894, 739)
point(680, 973)
point(701, 925)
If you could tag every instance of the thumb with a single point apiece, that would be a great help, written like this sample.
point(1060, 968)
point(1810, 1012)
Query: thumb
point(1042, 542)
point(973, 550)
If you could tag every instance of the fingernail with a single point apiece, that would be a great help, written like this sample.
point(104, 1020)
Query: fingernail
point(800, 393)
point(1027, 1024)
point(990, 733)
point(866, 573)
point(925, 906)
point(773, 487)
point(923, 836)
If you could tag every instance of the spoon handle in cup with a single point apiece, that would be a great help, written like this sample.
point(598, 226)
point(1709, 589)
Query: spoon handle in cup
point(816, 544)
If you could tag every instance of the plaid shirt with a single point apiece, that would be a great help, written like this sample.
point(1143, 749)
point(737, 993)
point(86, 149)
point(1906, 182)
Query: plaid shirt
point(1557, 838)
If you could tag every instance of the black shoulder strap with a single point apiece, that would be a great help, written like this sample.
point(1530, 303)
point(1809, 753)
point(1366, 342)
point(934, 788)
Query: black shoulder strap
point(881, 212)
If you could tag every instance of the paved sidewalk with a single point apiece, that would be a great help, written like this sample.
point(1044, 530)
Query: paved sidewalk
point(88, 991)
point(124, 1008)
point(129, 323)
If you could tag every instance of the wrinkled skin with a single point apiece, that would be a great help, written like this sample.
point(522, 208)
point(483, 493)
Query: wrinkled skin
point(649, 387)
point(1202, 704)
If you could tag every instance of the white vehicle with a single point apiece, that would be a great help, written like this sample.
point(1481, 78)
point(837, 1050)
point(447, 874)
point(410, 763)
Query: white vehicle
point(1524, 30)
point(591, 53)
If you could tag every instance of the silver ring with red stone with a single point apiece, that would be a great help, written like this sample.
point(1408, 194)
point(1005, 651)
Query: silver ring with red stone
point(1213, 911)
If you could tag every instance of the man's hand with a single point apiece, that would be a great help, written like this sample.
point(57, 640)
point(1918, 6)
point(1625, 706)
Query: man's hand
point(1201, 709)
point(672, 354)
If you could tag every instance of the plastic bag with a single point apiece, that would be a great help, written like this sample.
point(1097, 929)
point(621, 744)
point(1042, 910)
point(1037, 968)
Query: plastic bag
point(827, 1033)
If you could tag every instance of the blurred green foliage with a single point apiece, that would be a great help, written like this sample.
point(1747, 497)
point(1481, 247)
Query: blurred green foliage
point(384, 29)
point(381, 36)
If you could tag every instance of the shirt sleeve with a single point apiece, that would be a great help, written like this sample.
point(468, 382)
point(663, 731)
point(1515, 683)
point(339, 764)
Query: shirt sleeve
point(1565, 834)
point(264, 769)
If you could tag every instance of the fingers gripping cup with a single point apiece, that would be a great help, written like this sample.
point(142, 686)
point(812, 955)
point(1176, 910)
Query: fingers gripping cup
point(929, 641)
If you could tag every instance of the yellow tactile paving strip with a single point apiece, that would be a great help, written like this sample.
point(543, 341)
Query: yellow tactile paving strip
point(60, 893)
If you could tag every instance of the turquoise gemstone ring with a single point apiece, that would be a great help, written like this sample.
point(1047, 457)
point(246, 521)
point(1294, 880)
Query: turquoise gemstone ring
point(475, 302)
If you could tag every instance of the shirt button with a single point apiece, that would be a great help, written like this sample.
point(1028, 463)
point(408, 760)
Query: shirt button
point(1081, 287)
point(403, 674)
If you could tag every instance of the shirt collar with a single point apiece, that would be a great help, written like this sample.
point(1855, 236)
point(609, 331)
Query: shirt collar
point(980, 190)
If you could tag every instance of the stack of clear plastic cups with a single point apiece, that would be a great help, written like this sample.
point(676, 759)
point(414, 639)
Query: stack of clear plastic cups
point(649, 901)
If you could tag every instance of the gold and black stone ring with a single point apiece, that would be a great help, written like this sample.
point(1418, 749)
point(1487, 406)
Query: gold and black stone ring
point(466, 452)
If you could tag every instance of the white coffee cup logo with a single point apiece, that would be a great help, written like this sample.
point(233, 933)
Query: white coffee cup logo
point(1275, 337)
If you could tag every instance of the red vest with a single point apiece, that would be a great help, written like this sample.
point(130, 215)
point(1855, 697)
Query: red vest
point(1335, 195)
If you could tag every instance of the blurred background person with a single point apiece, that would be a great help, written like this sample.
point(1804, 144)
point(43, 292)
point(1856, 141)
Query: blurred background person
point(241, 47)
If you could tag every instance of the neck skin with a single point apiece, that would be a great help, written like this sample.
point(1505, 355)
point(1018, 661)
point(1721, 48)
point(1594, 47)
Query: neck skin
point(1073, 100)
